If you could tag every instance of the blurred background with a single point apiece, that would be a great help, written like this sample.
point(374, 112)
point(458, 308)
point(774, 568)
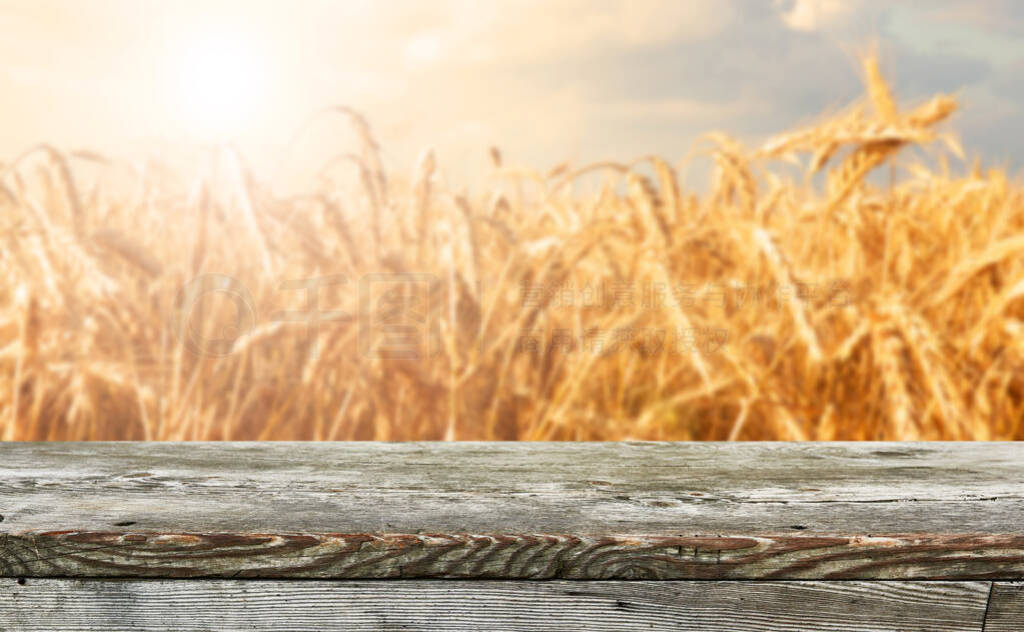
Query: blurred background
point(589, 220)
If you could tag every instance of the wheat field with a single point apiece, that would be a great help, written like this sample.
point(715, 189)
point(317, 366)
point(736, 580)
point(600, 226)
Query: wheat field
point(832, 283)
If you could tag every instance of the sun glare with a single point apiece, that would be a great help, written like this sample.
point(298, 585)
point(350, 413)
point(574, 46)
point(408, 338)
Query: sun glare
point(221, 84)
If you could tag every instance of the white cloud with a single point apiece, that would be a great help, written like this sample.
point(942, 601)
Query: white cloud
point(814, 15)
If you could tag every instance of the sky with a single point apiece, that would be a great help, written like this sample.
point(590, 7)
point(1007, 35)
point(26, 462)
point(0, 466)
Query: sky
point(544, 80)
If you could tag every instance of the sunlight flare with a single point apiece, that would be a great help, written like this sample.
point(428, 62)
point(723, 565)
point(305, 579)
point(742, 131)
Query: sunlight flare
point(220, 84)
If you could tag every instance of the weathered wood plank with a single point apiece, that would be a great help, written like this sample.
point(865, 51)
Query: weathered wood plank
point(529, 556)
point(517, 510)
point(57, 605)
point(1005, 608)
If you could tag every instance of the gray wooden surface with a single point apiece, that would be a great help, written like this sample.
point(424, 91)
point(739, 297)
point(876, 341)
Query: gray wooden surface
point(1005, 608)
point(58, 605)
point(514, 510)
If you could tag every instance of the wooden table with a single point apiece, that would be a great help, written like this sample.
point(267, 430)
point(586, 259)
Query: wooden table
point(512, 536)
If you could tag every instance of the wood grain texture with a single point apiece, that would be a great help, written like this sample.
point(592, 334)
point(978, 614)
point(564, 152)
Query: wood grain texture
point(59, 605)
point(1005, 608)
point(513, 510)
